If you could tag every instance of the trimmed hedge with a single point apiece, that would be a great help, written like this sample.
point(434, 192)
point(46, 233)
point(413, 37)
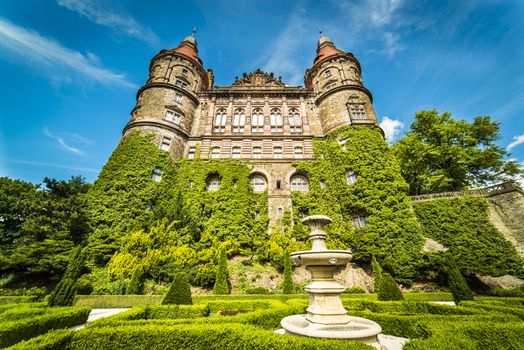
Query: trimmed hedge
point(179, 292)
point(14, 331)
point(389, 289)
point(17, 299)
point(54, 340)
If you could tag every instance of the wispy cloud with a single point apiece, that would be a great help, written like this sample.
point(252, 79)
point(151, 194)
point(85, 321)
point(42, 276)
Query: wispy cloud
point(63, 143)
point(391, 127)
point(52, 58)
point(119, 21)
point(52, 165)
point(517, 140)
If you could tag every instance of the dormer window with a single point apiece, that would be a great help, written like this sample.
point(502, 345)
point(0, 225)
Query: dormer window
point(220, 121)
point(276, 120)
point(173, 117)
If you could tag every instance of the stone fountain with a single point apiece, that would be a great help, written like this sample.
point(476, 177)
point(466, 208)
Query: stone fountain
point(326, 316)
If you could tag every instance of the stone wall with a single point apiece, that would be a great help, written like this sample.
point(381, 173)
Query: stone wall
point(507, 214)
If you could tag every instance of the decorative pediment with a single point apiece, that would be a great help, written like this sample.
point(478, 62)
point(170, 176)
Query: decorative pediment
point(258, 78)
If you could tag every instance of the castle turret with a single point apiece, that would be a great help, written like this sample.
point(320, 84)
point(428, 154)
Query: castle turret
point(166, 104)
point(336, 79)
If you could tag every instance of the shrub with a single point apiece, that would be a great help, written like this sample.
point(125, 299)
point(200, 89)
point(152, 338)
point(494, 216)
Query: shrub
point(257, 290)
point(389, 289)
point(65, 291)
point(136, 284)
point(288, 287)
point(377, 273)
point(501, 292)
point(355, 290)
point(457, 283)
point(85, 286)
point(179, 292)
point(54, 340)
point(221, 286)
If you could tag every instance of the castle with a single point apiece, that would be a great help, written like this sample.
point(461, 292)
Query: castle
point(258, 119)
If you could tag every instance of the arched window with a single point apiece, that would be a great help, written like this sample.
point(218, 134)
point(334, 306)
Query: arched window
point(276, 120)
point(277, 152)
point(295, 125)
point(213, 183)
point(258, 182)
point(350, 177)
point(299, 153)
point(235, 152)
point(257, 120)
point(220, 120)
point(239, 120)
point(359, 221)
point(257, 152)
point(215, 152)
point(299, 183)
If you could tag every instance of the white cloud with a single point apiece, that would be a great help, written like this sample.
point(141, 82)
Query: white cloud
point(53, 59)
point(98, 12)
point(517, 140)
point(62, 143)
point(52, 165)
point(391, 127)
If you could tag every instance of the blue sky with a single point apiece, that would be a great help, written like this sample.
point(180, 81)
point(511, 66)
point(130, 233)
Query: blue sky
point(70, 68)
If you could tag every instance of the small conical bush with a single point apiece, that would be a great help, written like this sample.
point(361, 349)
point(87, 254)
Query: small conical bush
point(179, 292)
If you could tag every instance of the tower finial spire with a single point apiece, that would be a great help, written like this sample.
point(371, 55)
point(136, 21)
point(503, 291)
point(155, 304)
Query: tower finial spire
point(194, 32)
point(320, 31)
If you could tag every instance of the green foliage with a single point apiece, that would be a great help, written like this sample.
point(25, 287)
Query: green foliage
point(125, 197)
point(136, 284)
point(442, 154)
point(512, 293)
point(39, 226)
point(258, 290)
point(65, 291)
point(12, 332)
point(354, 290)
point(179, 292)
point(377, 274)
point(389, 289)
point(457, 283)
point(288, 286)
point(53, 340)
point(462, 225)
point(221, 286)
point(379, 193)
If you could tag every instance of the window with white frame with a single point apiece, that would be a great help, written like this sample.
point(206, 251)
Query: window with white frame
point(213, 183)
point(157, 174)
point(239, 120)
point(215, 153)
point(166, 143)
point(257, 120)
point(191, 153)
point(181, 84)
point(178, 98)
point(327, 73)
point(277, 152)
point(295, 125)
point(258, 182)
point(173, 117)
point(220, 120)
point(276, 120)
point(257, 152)
point(359, 221)
point(351, 178)
point(299, 183)
point(358, 111)
point(235, 152)
point(299, 152)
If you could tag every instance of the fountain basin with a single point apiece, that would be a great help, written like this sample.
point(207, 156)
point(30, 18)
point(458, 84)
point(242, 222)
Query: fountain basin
point(322, 257)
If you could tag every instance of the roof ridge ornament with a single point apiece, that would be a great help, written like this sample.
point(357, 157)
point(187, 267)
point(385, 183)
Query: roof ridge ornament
point(258, 78)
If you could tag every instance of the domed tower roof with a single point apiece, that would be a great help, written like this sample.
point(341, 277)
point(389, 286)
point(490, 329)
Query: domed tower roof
point(189, 48)
point(325, 49)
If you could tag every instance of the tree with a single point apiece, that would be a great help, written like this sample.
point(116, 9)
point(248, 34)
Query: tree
point(440, 153)
point(179, 292)
point(221, 286)
point(377, 273)
point(457, 283)
point(389, 289)
point(288, 287)
point(136, 283)
point(65, 291)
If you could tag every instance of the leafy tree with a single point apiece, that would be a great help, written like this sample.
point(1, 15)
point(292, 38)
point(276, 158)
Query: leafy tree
point(440, 153)
point(179, 292)
point(457, 283)
point(389, 289)
point(288, 287)
point(377, 273)
point(221, 286)
point(65, 291)
point(136, 283)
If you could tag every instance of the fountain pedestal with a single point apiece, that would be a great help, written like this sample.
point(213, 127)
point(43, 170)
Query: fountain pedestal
point(326, 316)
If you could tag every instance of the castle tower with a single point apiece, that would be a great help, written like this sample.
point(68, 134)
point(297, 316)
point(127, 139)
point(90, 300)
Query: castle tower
point(166, 104)
point(341, 97)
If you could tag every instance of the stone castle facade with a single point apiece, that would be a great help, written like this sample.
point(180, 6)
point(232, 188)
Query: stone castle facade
point(258, 119)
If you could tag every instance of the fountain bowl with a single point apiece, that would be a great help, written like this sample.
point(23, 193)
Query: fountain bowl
point(322, 257)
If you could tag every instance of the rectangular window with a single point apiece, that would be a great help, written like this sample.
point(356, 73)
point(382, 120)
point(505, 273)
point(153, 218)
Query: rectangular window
point(181, 84)
point(257, 152)
point(277, 152)
point(173, 117)
point(299, 154)
point(191, 153)
point(359, 221)
point(280, 212)
point(157, 174)
point(184, 72)
point(358, 112)
point(166, 143)
point(327, 73)
point(178, 98)
point(235, 153)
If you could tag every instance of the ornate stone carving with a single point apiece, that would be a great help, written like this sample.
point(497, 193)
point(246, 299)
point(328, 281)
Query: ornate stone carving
point(258, 78)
